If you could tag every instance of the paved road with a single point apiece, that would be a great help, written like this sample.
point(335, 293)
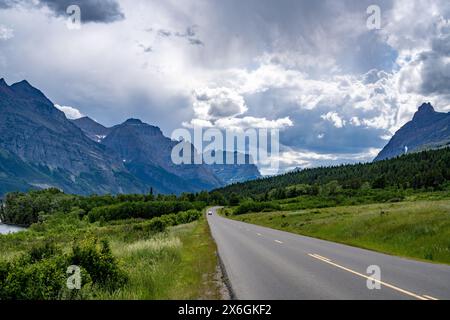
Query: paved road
point(263, 263)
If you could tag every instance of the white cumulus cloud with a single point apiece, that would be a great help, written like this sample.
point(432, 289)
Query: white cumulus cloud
point(218, 103)
point(333, 117)
point(70, 112)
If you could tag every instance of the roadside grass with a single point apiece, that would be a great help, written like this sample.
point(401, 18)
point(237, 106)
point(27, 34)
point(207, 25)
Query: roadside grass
point(358, 197)
point(198, 270)
point(343, 199)
point(148, 264)
point(179, 263)
point(416, 229)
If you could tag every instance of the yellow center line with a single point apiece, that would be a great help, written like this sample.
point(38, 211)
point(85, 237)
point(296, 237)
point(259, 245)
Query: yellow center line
point(326, 260)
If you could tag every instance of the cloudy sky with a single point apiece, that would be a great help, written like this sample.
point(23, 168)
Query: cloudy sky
point(336, 89)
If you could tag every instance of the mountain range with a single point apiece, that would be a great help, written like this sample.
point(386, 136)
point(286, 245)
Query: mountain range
point(427, 130)
point(41, 148)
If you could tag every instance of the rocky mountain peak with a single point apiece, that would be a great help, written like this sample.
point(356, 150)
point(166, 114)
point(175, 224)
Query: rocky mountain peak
point(426, 115)
point(425, 109)
point(82, 156)
point(4, 88)
point(428, 129)
point(133, 122)
point(91, 128)
point(138, 128)
point(86, 121)
point(24, 89)
point(40, 137)
point(23, 85)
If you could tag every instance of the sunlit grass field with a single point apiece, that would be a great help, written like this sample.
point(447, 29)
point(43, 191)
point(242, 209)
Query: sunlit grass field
point(416, 229)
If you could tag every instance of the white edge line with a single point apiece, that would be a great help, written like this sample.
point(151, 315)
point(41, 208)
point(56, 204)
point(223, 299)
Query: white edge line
point(430, 297)
point(370, 278)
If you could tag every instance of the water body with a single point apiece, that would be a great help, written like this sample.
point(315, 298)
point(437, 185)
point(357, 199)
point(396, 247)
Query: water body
point(6, 229)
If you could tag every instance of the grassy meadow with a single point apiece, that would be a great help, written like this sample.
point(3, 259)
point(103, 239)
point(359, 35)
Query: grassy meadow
point(416, 228)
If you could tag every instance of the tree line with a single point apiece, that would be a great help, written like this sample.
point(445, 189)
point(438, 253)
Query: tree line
point(429, 170)
point(425, 170)
point(27, 208)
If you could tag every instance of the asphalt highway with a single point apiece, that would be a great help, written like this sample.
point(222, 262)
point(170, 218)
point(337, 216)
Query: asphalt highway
point(267, 264)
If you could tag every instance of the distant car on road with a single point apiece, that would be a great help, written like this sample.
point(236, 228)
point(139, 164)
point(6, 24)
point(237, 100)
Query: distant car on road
point(209, 213)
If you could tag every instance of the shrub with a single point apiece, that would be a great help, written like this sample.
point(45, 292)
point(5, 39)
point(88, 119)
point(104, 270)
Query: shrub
point(42, 252)
point(27, 208)
point(144, 210)
point(42, 280)
point(97, 259)
point(40, 274)
point(234, 199)
point(252, 206)
point(161, 223)
point(157, 225)
point(398, 199)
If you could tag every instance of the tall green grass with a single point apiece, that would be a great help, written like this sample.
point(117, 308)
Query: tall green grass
point(178, 265)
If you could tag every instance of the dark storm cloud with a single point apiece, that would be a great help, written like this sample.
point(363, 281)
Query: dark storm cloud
point(324, 27)
point(441, 45)
point(104, 11)
point(4, 4)
point(100, 11)
point(435, 72)
point(320, 136)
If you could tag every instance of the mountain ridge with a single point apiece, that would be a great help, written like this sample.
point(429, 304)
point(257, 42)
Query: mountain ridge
point(41, 136)
point(91, 128)
point(40, 148)
point(146, 152)
point(428, 129)
point(227, 173)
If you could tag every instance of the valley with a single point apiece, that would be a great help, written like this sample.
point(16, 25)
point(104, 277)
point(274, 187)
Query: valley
point(111, 202)
point(189, 156)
